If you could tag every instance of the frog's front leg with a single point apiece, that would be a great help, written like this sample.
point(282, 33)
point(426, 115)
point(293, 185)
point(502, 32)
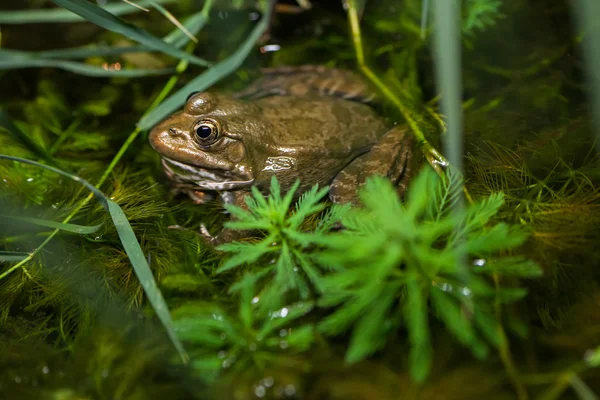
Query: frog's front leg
point(390, 157)
point(227, 235)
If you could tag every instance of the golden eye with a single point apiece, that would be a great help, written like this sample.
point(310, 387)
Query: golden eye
point(206, 131)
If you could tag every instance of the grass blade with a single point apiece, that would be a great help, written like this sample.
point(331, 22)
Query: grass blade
point(7, 123)
point(17, 62)
point(73, 53)
point(12, 256)
point(73, 228)
point(448, 75)
point(193, 24)
point(174, 21)
point(106, 20)
point(59, 15)
point(207, 78)
point(132, 248)
point(586, 13)
point(14, 59)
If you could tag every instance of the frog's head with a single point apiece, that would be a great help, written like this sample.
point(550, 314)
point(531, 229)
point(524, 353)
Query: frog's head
point(203, 144)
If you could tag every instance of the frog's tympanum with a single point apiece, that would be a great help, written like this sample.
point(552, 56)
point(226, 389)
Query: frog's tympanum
point(308, 123)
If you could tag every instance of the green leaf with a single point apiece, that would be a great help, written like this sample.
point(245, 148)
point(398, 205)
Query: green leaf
point(447, 195)
point(80, 229)
point(511, 266)
point(245, 307)
point(308, 204)
point(58, 15)
point(277, 319)
point(18, 60)
point(106, 20)
point(418, 198)
point(300, 338)
point(592, 358)
point(457, 322)
point(369, 333)
point(479, 214)
point(12, 256)
point(499, 237)
point(132, 248)
point(510, 295)
point(143, 272)
point(194, 24)
point(289, 196)
point(275, 190)
point(249, 279)
point(207, 78)
point(420, 355)
point(13, 59)
point(246, 253)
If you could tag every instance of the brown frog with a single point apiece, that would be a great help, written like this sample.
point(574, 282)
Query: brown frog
point(309, 123)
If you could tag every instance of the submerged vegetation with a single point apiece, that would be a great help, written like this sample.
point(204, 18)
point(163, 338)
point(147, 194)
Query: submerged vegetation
point(479, 282)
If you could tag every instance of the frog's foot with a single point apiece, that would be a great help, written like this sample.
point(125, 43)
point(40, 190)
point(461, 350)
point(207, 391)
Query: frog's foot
point(307, 80)
point(225, 236)
point(391, 157)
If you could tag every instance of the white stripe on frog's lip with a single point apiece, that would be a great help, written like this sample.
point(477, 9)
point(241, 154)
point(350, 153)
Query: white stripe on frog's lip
point(201, 177)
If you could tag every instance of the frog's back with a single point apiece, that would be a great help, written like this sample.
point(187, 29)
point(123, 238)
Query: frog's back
point(322, 124)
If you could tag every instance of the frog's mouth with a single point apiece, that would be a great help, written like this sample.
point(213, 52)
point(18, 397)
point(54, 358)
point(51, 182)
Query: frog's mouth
point(206, 179)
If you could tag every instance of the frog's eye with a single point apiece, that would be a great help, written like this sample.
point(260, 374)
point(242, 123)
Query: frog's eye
point(206, 131)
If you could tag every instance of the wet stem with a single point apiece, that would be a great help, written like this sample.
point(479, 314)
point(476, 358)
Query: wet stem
point(437, 162)
point(433, 156)
point(181, 67)
point(504, 351)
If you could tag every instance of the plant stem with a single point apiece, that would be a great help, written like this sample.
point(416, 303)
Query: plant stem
point(504, 351)
point(433, 156)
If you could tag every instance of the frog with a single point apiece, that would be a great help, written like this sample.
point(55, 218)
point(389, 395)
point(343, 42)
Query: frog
point(311, 124)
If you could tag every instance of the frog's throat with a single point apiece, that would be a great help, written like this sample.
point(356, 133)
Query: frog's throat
point(202, 178)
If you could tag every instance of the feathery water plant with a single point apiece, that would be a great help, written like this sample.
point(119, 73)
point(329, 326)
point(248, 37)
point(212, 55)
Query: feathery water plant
point(281, 254)
point(394, 258)
point(480, 15)
point(389, 263)
point(414, 252)
point(252, 337)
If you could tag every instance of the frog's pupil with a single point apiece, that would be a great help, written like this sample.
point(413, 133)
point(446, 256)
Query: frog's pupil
point(203, 131)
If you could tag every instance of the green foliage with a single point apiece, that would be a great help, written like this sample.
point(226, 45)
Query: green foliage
point(250, 338)
point(518, 87)
point(480, 15)
point(128, 240)
point(284, 265)
point(389, 264)
point(393, 257)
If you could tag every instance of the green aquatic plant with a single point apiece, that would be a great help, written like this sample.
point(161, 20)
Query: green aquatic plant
point(479, 15)
point(80, 133)
point(126, 235)
point(281, 257)
point(389, 263)
point(251, 337)
point(395, 259)
point(558, 203)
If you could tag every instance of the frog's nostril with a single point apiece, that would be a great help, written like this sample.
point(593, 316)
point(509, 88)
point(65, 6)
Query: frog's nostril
point(173, 131)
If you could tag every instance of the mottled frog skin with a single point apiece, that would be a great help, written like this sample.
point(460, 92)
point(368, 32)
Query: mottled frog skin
point(308, 123)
